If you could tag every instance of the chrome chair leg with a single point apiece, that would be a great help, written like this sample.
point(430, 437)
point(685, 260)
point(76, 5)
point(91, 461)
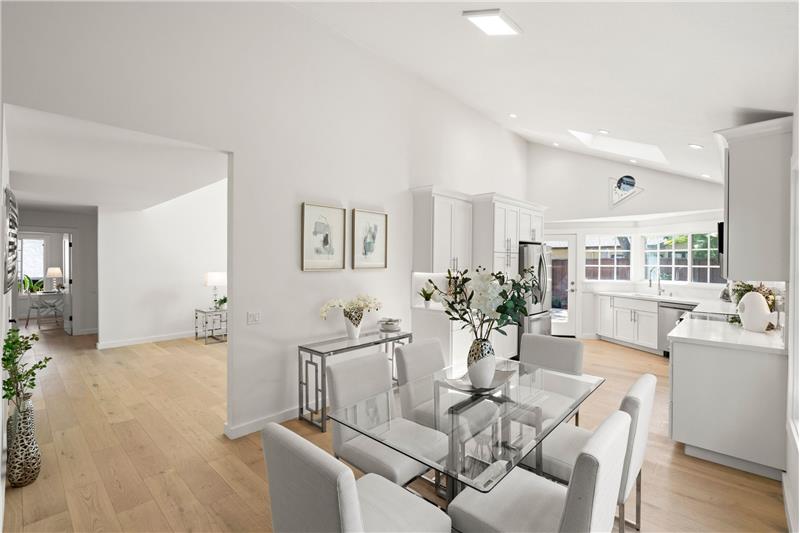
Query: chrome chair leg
point(577, 413)
point(621, 518)
point(639, 501)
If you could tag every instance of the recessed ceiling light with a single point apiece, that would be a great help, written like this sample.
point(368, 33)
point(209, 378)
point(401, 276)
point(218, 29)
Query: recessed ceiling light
point(492, 22)
point(707, 176)
point(512, 115)
point(602, 132)
point(696, 146)
point(556, 145)
point(632, 161)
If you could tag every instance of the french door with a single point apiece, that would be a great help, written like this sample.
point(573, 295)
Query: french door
point(563, 249)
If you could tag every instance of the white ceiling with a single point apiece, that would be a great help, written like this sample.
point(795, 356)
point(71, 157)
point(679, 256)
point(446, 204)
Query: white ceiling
point(62, 161)
point(666, 74)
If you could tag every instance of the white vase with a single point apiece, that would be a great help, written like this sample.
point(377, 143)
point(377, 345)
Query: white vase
point(353, 331)
point(481, 363)
point(426, 303)
point(754, 312)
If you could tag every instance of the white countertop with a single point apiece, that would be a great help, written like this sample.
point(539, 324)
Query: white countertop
point(720, 333)
point(703, 305)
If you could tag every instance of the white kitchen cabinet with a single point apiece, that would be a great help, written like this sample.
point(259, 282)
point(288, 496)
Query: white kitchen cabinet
point(627, 320)
point(755, 241)
point(728, 395)
point(442, 228)
point(646, 326)
point(624, 327)
point(604, 315)
point(499, 223)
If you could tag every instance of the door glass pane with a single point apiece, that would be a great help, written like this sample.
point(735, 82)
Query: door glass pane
point(559, 251)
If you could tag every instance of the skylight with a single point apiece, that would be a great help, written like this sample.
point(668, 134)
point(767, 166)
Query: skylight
point(492, 22)
point(621, 147)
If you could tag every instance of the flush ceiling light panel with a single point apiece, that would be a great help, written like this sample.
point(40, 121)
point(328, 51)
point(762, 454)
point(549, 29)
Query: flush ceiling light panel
point(492, 22)
point(633, 150)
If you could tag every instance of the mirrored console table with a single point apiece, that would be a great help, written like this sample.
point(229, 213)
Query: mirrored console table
point(211, 324)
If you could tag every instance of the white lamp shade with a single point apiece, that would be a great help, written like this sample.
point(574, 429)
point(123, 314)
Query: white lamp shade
point(216, 279)
point(54, 272)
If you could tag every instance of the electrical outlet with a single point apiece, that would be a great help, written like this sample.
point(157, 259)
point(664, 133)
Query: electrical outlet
point(253, 317)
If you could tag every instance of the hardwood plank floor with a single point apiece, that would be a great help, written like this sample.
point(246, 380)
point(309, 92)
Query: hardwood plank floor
point(132, 440)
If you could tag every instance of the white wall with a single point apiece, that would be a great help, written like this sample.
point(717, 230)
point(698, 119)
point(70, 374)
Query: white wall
point(83, 227)
point(575, 186)
point(151, 264)
point(308, 116)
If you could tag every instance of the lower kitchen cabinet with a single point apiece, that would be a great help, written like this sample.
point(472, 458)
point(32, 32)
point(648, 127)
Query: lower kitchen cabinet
point(627, 320)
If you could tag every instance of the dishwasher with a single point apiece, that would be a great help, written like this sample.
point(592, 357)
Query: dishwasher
point(669, 314)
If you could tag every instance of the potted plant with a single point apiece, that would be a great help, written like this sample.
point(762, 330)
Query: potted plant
point(427, 291)
point(485, 302)
point(353, 311)
point(24, 458)
point(220, 303)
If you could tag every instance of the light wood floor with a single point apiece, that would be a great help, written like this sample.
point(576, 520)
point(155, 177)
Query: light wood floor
point(132, 440)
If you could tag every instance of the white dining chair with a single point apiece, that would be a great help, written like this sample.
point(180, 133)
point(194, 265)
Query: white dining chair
point(311, 491)
point(553, 353)
point(423, 358)
point(368, 378)
point(523, 501)
point(561, 448)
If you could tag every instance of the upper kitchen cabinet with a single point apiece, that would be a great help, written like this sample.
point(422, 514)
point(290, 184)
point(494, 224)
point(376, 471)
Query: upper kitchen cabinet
point(499, 224)
point(442, 230)
point(755, 241)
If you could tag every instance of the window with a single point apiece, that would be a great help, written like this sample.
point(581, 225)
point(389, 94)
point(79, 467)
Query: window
point(705, 259)
point(32, 259)
point(608, 257)
point(681, 256)
point(666, 256)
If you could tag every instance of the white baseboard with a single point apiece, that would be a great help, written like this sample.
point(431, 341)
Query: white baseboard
point(102, 345)
point(734, 462)
point(241, 430)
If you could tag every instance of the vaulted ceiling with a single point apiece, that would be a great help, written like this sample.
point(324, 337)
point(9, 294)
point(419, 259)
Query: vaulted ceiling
point(662, 74)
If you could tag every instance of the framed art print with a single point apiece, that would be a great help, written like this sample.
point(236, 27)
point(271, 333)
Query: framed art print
point(322, 231)
point(370, 239)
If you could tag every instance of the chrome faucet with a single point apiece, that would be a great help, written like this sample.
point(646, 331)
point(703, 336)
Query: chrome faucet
point(650, 280)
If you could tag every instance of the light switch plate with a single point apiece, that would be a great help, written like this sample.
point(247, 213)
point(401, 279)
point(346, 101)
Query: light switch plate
point(253, 317)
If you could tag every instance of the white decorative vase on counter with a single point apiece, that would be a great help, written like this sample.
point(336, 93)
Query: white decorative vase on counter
point(754, 312)
point(481, 363)
point(426, 303)
point(353, 331)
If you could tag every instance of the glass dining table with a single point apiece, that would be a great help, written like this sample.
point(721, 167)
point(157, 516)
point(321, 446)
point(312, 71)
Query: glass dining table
point(482, 434)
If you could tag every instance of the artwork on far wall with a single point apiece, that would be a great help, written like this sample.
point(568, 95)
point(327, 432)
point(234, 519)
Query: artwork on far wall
point(322, 237)
point(623, 189)
point(370, 239)
point(11, 231)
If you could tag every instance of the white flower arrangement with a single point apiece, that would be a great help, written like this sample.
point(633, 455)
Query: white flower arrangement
point(353, 310)
point(487, 301)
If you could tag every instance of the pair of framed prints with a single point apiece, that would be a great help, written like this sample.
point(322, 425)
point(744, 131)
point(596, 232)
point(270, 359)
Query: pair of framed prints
point(323, 230)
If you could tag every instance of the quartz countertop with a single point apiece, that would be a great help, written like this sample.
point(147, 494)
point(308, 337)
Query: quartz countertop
point(722, 333)
point(704, 305)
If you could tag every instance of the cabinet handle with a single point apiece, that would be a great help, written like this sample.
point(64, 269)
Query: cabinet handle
point(456, 262)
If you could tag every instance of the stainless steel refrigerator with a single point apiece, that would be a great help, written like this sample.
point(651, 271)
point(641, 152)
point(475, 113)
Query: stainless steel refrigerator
point(537, 255)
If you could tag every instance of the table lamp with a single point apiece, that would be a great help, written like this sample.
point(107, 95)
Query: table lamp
point(54, 273)
point(216, 279)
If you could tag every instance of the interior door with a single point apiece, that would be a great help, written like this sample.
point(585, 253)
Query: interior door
point(563, 273)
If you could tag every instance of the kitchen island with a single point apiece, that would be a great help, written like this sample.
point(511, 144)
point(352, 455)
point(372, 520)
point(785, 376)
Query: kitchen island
point(728, 394)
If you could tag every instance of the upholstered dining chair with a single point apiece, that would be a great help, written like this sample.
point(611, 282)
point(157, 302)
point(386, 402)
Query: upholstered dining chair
point(523, 501)
point(561, 448)
point(368, 377)
point(553, 353)
point(422, 358)
point(311, 491)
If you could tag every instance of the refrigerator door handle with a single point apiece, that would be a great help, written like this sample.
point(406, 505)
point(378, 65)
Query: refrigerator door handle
point(543, 275)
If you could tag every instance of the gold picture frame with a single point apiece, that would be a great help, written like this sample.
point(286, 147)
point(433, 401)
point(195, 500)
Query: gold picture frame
point(370, 239)
point(322, 237)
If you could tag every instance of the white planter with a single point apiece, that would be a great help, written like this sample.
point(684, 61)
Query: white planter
point(426, 303)
point(481, 363)
point(353, 331)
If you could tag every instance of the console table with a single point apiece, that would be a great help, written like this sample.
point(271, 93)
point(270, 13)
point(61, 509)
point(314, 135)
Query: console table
point(313, 357)
point(211, 323)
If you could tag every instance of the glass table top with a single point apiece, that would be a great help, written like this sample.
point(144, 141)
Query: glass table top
point(474, 436)
point(346, 344)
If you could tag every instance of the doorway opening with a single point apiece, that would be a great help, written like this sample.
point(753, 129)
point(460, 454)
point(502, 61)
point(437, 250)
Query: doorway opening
point(563, 305)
